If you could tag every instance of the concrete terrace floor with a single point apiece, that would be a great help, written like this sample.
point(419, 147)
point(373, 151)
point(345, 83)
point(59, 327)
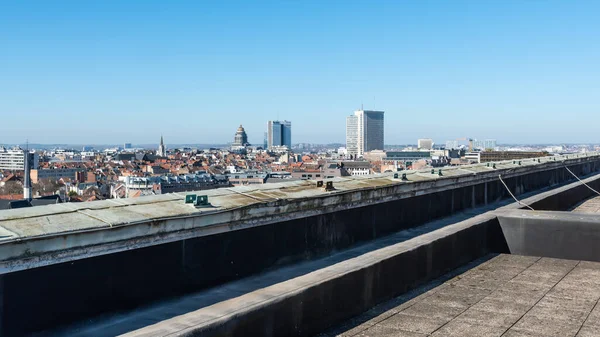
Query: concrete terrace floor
point(509, 295)
point(591, 205)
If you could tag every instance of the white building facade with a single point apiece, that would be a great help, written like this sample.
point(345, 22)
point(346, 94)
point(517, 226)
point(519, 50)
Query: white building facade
point(364, 132)
point(15, 159)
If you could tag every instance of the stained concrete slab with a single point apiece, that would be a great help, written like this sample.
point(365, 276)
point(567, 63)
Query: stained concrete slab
point(510, 295)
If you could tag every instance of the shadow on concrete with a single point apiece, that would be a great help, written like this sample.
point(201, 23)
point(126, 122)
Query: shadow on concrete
point(391, 304)
point(125, 321)
point(122, 322)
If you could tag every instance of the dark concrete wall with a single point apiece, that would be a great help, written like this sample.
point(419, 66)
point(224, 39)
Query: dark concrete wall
point(562, 235)
point(76, 290)
point(316, 308)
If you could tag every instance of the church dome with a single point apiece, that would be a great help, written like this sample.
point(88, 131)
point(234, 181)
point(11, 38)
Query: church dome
point(240, 139)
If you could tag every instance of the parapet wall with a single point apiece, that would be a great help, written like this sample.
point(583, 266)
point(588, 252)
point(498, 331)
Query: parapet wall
point(311, 303)
point(80, 260)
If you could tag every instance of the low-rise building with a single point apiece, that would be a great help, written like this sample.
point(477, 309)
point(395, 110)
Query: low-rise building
point(139, 186)
point(248, 178)
point(56, 174)
point(357, 168)
point(490, 156)
point(308, 174)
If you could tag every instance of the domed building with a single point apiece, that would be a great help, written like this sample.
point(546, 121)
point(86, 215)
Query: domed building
point(241, 138)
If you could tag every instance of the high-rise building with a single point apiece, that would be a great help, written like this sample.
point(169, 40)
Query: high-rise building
point(364, 132)
point(266, 141)
point(162, 150)
point(15, 159)
point(425, 144)
point(352, 135)
point(286, 134)
point(127, 146)
point(279, 133)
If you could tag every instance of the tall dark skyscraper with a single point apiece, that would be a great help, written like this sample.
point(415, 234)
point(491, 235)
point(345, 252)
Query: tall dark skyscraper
point(279, 134)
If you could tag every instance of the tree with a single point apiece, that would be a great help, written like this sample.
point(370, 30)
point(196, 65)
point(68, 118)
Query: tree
point(12, 187)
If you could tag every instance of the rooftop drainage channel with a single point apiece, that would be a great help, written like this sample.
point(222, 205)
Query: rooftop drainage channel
point(312, 302)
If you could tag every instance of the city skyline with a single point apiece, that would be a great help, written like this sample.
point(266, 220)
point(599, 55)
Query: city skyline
point(523, 71)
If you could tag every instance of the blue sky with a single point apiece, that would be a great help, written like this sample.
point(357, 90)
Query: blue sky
point(127, 71)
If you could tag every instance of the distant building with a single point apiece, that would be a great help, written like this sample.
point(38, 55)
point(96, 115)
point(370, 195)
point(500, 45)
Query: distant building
point(357, 168)
point(425, 144)
point(308, 174)
point(408, 158)
point(352, 135)
point(473, 157)
point(162, 150)
point(375, 155)
point(15, 159)
point(248, 178)
point(139, 186)
point(364, 132)
point(266, 141)
point(279, 133)
point(490, 156)
point(241, 138)
point(488, 144)
point(127, 146)
point(56, 174)
point(451, 144)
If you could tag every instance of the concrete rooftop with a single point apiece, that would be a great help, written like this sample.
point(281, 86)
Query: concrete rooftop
point(52, 234)
point(509, 295)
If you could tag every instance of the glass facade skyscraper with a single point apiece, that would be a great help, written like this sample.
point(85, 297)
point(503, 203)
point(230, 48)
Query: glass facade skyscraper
point(279, 133)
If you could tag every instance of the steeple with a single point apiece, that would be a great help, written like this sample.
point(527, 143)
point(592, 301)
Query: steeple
point(162, 150)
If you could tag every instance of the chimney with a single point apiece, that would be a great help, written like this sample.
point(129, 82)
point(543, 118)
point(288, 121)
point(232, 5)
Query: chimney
point(26, 176)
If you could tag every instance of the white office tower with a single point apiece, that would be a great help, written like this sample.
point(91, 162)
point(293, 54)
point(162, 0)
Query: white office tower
point(364, 132)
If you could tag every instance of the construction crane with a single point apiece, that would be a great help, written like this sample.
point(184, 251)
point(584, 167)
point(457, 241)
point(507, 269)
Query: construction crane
point(470, 142)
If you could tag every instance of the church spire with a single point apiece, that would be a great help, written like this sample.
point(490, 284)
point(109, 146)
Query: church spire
point(162, 150)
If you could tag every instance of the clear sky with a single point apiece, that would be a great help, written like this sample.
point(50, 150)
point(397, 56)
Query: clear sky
point(126, 71)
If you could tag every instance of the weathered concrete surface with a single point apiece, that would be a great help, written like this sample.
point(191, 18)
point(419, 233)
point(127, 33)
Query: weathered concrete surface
point(591, 205)
point(53, 234)
point(509, 295)
point(129, 321)
point(562, 235)
point(150, 258)
point(311, 302)
point(306, 305)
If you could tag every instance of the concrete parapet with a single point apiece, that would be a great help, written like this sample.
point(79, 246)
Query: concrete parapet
point(77, 261)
